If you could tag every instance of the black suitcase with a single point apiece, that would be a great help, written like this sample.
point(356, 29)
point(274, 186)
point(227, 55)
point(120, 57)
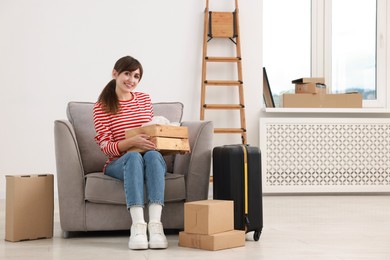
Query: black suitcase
point(237, 177)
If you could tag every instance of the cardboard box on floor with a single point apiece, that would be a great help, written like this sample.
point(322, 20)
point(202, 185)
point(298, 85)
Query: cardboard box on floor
point(209, 224)
point(169, 139)
point(350, 100)
point(208, 216)
point(29, 207)
point(218, 241)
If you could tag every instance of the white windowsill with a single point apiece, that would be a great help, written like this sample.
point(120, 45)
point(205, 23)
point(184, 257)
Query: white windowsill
point(325, 110)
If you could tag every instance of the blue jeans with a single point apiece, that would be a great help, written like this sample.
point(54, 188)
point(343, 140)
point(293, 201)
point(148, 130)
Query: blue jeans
point(136, 170)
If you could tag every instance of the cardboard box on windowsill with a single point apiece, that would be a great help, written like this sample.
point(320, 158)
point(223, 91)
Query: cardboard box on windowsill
point(349, 100)
point(309, 80)
point(310, 88)
point(169, 139)
point(310, 85)
point(29, 207)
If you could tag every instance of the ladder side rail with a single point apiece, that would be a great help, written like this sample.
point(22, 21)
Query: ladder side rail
point(240, 76)
point(204, 63)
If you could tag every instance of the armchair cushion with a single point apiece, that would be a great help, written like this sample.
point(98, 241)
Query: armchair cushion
point(101, 188)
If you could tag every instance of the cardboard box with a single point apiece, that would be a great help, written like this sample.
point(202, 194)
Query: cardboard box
point(311, 88)
point(309, 80)
point(352, 100)
point(29, 207)
point(310, 85)
point(168, 139)
point(224, 240)
point(208, 216)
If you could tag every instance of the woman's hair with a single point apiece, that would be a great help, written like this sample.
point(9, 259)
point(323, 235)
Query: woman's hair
point(108, 97)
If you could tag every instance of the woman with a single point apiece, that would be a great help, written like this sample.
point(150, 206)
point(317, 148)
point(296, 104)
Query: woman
point(119, 108)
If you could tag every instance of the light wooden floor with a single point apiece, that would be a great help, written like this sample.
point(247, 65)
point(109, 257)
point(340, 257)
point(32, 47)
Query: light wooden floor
point(295, 227)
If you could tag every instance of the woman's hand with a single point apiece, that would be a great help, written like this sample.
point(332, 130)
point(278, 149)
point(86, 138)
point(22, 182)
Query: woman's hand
point(141, 141)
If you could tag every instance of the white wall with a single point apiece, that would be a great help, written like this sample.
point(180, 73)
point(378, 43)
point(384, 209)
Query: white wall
point(53, 52)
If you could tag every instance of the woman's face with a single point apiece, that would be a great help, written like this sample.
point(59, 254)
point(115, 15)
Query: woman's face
point(126, 81)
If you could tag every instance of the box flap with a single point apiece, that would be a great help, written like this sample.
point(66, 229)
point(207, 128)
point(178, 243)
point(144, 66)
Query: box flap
point(309, 80)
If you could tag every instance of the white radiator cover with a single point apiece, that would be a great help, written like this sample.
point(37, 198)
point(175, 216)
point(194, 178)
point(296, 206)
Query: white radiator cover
point(311, 155)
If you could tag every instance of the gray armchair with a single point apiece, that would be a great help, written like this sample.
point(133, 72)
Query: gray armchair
point(92, 201)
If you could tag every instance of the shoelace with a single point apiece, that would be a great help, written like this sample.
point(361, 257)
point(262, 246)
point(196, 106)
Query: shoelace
point(155, 228)
point(139, 229)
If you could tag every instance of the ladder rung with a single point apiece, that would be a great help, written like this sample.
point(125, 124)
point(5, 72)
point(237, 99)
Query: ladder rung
point(223, 59)
point(229, 130)
point(223, 82)
point(223, 106)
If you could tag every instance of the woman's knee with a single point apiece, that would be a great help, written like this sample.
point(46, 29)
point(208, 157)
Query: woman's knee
point(153, 155)
point(132, 157)
point(133, 168)
point(155, 163)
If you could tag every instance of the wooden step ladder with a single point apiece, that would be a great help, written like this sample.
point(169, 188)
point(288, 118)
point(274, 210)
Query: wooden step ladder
point(223, 25)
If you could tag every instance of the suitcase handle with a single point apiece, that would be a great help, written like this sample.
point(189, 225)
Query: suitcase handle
point(245, 178)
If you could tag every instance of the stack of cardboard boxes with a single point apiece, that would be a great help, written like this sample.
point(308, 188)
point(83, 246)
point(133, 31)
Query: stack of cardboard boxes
point(209, 224)
point(312, 92)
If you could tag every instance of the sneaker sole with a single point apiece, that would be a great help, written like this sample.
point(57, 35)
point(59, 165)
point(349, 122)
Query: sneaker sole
point(158, 246)
point(138, 246)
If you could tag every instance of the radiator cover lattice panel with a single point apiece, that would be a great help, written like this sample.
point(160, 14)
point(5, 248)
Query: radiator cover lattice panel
point(325, 154)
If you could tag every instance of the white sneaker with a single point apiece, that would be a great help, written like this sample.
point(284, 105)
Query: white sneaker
point(157, 239)
point(138, 238)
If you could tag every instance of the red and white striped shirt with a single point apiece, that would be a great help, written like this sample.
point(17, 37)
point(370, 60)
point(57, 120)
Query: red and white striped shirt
point(110, 128)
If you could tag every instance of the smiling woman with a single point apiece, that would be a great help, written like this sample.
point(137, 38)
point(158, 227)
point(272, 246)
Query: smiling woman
point(119, 108)
point(127, 69)
point(127, 82)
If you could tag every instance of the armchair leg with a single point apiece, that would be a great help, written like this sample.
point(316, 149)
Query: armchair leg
point(66, 234)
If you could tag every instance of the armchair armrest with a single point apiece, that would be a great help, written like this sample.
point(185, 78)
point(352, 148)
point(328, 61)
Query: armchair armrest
point(70, 177)
point(196, 165)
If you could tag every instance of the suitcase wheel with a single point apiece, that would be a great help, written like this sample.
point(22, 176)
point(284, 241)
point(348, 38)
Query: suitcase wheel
point(256, 235)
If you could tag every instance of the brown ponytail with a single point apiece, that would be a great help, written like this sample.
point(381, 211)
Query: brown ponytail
point(108, 97)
